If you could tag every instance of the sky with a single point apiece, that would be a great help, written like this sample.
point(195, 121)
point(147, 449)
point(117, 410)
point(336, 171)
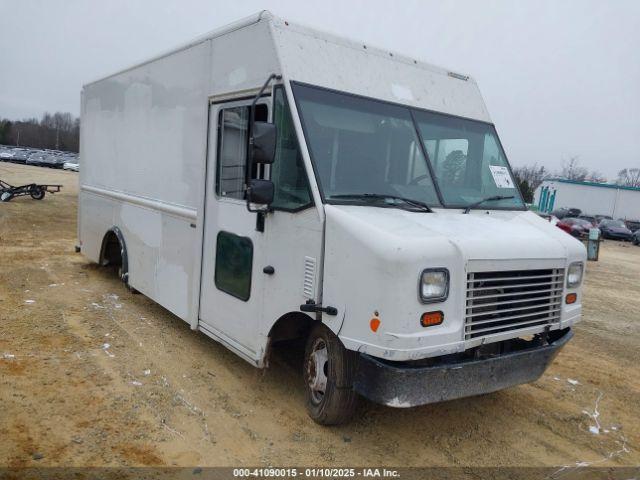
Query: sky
point(560, 78)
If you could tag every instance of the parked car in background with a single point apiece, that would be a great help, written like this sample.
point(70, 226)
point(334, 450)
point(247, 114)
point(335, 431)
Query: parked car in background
point(20, 155)
point(67, 158)
point(587, 225)
point(636, 237)
point(599, 218)
point(577, 227)
point(566, 212)
point(54, 160)
point(633, 225)
point(36, 159)
point(71, 166)
point(615, 230)
point(591, 219)
point(564, 226)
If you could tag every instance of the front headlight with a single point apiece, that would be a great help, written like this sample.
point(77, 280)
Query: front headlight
point(574, 274)
point(434, 285)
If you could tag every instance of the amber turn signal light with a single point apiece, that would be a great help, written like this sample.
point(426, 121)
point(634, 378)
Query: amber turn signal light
point(571, 298)
point(429, 319)
point(374, 324)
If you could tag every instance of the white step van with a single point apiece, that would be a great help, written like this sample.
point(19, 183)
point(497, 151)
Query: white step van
point(267, 182)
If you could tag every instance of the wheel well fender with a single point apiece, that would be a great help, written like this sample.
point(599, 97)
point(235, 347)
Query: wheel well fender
point(290, 326)
point(114, 250)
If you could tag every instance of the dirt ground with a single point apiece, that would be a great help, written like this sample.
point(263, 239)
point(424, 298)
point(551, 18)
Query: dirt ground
point(92, 375)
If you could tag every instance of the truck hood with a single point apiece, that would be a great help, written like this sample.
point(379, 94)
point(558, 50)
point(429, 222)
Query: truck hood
point(373, 259)
point(481, 234)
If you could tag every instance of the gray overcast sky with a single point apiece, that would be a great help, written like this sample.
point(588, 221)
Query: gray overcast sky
point(560, 78)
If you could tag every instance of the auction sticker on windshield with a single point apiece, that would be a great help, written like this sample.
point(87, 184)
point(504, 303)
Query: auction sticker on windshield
point(501, 176)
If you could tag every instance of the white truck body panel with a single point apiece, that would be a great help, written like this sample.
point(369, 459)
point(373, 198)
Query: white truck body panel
point(148, 145)
point(144, 137)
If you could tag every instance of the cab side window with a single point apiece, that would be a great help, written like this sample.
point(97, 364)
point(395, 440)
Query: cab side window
point(233, 139)
point(288, 173)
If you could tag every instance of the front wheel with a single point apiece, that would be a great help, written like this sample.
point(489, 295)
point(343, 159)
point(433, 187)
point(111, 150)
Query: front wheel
point(38, 193)
point(328, 374)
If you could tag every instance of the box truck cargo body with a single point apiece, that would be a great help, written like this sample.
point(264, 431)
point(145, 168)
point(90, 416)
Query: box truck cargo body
point(268, 182)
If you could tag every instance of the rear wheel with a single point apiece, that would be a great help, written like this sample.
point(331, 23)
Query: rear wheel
point(328, 373)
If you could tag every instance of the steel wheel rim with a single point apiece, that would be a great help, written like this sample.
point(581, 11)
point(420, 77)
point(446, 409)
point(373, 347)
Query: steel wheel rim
point(317, 369)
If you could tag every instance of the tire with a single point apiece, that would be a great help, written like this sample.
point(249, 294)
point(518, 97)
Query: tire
point(38, 193)
point(329, 395)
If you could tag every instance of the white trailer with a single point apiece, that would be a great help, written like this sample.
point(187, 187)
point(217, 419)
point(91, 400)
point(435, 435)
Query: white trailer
point(592, 198)
point(268, 181)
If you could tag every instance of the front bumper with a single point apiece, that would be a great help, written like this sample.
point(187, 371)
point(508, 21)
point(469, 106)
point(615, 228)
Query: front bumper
point(402, 385)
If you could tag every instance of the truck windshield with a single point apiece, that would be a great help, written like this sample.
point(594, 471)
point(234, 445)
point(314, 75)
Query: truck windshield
point(364, 146)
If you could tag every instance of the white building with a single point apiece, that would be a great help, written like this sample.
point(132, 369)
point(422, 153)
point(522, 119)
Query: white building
point(592, 198)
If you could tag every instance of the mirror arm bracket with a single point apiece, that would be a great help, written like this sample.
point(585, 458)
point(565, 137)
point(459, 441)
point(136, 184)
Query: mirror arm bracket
point(249, 163)
point(273, 76)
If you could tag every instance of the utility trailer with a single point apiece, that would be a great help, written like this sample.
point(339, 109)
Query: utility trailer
point(35, 190)
point(268, 182)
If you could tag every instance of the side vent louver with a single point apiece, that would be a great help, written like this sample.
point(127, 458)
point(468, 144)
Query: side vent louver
point(309, 280)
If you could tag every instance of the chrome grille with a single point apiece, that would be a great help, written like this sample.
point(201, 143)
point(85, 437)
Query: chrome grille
point(499, 302)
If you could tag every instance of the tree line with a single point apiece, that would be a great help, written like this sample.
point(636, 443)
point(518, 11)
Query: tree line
point(530, 177)
point(57, 131)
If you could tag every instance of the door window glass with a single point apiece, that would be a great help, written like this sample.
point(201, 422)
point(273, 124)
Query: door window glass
point(232, 151)
point(287, 171)
point(233, 131)
point(234, 260)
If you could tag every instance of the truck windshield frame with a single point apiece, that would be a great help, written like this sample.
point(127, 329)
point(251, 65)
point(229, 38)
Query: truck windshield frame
point(362, 145)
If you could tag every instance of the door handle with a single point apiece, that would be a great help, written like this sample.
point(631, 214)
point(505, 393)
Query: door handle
point(314, 308)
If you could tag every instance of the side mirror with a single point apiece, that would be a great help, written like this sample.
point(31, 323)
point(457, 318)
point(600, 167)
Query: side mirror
point(263, 142)
point(260, 192)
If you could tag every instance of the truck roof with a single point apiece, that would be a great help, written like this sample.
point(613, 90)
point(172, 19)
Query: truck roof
point(311, 56)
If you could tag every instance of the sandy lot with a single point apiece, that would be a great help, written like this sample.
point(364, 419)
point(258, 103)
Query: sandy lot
point(91, 374)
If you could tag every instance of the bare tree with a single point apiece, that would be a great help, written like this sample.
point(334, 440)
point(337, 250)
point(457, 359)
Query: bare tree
point(532, 174)
point(571, 170)
point(629, 177)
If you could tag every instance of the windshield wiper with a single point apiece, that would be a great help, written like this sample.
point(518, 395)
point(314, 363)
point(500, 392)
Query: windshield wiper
point(379, 196)
point(488, 199)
